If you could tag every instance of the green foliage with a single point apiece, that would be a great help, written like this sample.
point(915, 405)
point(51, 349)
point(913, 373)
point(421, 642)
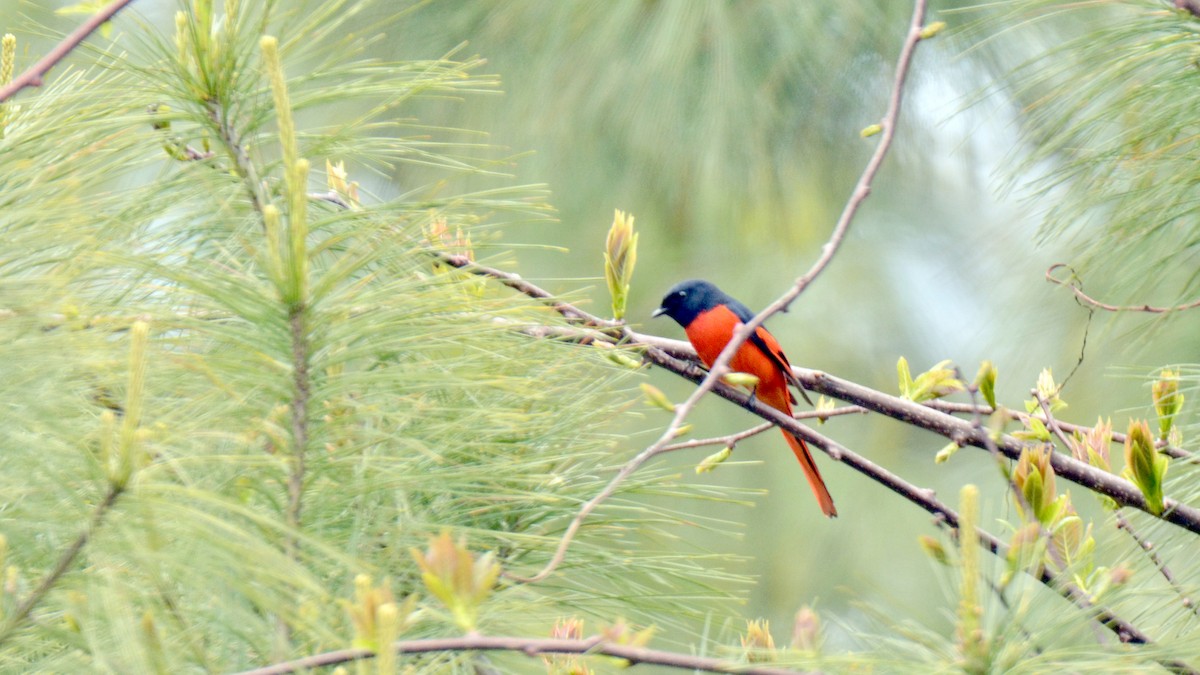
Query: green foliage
point(460, 580)
point(309, 398)
point(620, 258)
point(934, 383)
point(1145, 466)
point(1168, 401)
point(972, 642)
point(985, 381)
point(1112, 109)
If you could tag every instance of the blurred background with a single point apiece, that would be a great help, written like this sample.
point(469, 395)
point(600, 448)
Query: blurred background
point(730, 130)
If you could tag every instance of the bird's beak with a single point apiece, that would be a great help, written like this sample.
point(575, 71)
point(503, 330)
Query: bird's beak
point(658, 312)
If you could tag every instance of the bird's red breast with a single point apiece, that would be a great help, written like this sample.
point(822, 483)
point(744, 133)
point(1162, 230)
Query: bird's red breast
point(711, 330)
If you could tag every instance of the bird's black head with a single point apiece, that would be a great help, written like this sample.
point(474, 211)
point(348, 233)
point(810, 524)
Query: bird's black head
point(689, 298)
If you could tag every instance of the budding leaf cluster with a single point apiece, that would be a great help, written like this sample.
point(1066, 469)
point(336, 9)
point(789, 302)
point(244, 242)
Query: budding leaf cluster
point(456, 577)
point(1168, 401)
point(710, 463)
point(620, 256)
point(936, 382)
point(1047, 391)
point(1054, 534)
point(1145, 466)
point(757, 642)
point(985, 381)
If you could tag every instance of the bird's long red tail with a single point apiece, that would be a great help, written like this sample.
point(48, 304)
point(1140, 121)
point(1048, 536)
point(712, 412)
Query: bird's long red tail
point(812, 474)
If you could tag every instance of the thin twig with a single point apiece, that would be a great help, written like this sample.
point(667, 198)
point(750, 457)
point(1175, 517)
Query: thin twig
point(1051, 423)
point(1023, 417)
point(1076, 287)
point(232, 142)
point(13, 620)
point(1147, 546)
point(193, 155)
point(515, 282)
point(596, 645)
point(332, 197)
point(731, 440)
point(728, 441)
point(33, 77)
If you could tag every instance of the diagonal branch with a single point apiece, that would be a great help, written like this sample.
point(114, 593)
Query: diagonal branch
point(924, 498)
point(861, 190)
point(958, 430)
point(18, 615)
point(33, 77)
point(720, 365)
point(730, 440)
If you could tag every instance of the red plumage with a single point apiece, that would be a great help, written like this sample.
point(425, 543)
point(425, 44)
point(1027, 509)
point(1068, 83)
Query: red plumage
point(710, 317)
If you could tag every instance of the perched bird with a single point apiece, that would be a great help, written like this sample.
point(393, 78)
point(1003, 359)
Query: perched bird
point(710, 318)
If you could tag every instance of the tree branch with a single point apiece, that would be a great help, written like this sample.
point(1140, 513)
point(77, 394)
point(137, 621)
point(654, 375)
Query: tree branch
point(679, 358)
point(33, 77)
point(1147, 546)
point(237, 152)
point(515, 282)
point(530, 647)
point(933, 416)
point(64, 563)
point(962, 431)
point(1076, 287)
point(1123, 523)
point(731, 440)
point(1116, 436)
point(922, 497)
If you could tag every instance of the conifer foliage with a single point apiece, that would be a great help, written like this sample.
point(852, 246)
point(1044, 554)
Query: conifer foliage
point(239, 395)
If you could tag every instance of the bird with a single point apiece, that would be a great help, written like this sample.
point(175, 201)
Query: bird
point(710, 318)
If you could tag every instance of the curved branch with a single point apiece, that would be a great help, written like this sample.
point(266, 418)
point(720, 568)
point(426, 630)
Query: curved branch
point(861, 190)
point(529, 647)
point(1076, 287)
point(33, 77)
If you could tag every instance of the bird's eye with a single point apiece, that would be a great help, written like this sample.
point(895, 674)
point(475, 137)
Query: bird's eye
point(682, 294)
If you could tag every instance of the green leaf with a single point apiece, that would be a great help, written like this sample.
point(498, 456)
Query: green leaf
point(711, 462)
point(985, 379)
